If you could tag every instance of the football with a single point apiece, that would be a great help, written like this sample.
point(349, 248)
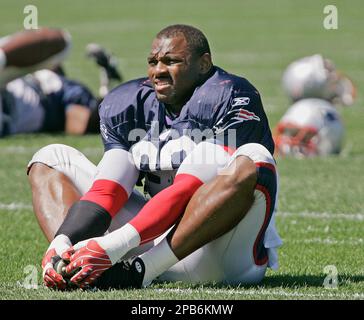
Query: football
point(36, 46)
point(60, 267)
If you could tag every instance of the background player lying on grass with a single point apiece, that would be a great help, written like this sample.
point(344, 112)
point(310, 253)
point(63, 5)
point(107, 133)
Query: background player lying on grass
point(36, 95)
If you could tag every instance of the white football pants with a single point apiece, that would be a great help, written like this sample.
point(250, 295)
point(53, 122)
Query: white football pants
point(240, 256)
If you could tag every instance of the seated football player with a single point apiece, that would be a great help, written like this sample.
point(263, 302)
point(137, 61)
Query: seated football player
point(34, 95)
point(200, 138)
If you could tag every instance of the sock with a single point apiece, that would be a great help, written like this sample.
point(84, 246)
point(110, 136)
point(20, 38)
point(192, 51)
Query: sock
point(157, 260)
point(2, 59)
point(119, 242)
point(163, 210)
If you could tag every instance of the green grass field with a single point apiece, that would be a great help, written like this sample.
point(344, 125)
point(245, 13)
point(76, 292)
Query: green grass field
point(321, 205)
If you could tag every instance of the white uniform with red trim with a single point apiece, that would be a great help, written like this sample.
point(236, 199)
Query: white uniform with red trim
point(240, 256)
point(234, 258)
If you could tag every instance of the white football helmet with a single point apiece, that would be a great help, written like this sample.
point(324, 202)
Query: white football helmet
point(316, 77)
point(310, 127)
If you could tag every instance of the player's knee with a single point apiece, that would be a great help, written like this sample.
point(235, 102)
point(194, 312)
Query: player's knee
point(242, 169)
point(40, 166)
point(205, 161)
point(52, 155)
point(241, 174)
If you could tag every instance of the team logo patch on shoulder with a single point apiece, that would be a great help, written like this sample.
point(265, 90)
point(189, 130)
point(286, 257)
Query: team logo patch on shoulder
point(240, 101)
point(234, 117)
point(246, 115)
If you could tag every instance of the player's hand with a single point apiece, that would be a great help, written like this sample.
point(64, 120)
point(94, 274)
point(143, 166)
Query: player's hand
point(88, 262)
point(51, 278)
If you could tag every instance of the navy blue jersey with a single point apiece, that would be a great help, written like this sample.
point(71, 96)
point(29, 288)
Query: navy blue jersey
point(38, 102)
point(57, 98)
point(225, 107)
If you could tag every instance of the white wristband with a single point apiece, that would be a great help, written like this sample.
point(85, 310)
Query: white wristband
point(60, 243)
point(2, 59)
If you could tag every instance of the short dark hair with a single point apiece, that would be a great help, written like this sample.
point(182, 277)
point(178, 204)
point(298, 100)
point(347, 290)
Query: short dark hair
point(196, 40)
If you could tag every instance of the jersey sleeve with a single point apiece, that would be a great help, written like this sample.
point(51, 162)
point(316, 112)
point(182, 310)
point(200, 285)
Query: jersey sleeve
point(115, 130)
point(122, 116)
point(76, 93)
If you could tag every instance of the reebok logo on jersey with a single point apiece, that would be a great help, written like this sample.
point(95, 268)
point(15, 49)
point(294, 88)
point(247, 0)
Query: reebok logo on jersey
point(241, 101)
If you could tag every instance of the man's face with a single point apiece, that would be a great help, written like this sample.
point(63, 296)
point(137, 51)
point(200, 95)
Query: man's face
point(173, 71)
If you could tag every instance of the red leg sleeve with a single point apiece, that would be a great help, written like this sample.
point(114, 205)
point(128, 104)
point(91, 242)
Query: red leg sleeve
point(163, 210)
point(108, 194)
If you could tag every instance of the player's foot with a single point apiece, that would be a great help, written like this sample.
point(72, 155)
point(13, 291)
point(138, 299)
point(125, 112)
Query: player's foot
point(123, 275)
point(104, 60)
